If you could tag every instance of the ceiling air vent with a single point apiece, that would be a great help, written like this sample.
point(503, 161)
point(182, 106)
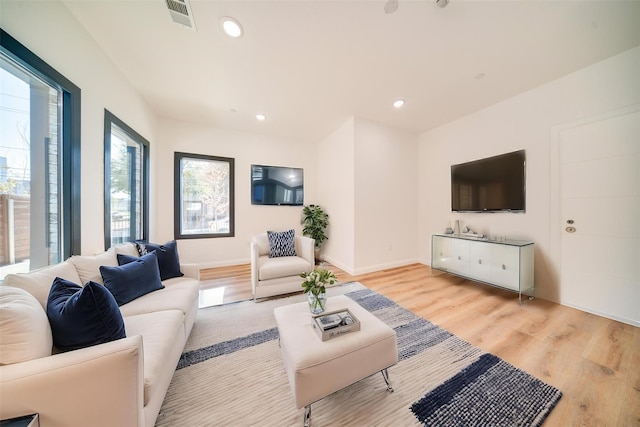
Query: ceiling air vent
point(180, 12)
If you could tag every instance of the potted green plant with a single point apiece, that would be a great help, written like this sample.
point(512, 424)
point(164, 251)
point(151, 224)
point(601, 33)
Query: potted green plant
point(314, 285)
point(315, 221)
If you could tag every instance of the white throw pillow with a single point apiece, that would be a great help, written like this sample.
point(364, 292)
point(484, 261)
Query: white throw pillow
point(127, 248)
point(88, 266)
point(38, 282)
point(25, 333)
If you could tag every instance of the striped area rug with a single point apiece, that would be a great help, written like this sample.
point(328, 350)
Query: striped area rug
point(231, 374)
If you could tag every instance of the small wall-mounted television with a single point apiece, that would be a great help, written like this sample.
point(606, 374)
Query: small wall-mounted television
point(277, 185)
point(492, 184)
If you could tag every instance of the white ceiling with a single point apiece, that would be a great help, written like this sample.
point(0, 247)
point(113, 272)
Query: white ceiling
point(310, 65)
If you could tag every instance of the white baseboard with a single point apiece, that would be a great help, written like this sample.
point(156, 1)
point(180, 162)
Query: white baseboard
point(227, 263)
point(369, 268)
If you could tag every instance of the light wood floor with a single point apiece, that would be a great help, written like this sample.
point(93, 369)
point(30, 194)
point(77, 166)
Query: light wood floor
point(593, 360)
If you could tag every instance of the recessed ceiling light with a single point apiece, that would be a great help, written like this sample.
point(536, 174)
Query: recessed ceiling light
point(261, 117)
point(399, 103)
point(231, 27)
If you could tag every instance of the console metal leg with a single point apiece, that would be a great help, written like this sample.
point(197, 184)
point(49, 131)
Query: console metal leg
point(307, 416)
point(385, 375)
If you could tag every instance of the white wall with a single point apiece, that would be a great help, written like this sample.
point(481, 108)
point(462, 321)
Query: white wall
point(336, 195)
point(525, 121)
point(386, 203)
point(368, 186)
point(49, 30)
point(246, 149)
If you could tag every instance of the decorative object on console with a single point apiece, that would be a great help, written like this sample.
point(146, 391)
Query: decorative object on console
point(467, 232)
point(314, 285)
point(281, 243)
point(315, 221)
point(456, 229)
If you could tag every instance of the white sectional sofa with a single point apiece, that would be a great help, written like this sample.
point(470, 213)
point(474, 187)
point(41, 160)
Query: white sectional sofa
point(118, 383)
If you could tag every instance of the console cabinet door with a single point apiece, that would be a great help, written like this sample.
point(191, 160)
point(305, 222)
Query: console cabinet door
point(460, 256)
point(480, 261)
point(441, 253)
point(505, 266)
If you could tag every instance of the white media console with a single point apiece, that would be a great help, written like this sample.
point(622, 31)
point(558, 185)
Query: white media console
point(507, 264)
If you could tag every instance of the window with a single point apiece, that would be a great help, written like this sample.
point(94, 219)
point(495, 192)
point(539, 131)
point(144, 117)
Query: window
point(203, 196)
point(39, 161)
point(126, 188)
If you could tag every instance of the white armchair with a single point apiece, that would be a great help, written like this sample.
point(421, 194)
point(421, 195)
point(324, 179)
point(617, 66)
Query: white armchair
point(281, 275)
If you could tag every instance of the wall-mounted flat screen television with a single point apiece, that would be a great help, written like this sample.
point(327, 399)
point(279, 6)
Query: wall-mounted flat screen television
point(492, 184)
point(276, 185)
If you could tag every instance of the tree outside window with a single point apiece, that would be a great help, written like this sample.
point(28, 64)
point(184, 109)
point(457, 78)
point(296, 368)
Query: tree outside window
point(204, 202)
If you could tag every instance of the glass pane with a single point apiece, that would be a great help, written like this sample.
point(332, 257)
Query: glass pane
point(126, 187)
point(30, 179)
point(205, 196)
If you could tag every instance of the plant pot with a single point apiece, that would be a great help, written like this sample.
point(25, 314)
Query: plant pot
point(317, 304)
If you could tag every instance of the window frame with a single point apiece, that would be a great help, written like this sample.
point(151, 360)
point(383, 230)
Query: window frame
point(71, 140)
point(109, 119)
point(177, 195)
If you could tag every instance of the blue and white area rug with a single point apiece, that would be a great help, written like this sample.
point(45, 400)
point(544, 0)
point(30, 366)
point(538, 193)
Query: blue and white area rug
point(231, 374)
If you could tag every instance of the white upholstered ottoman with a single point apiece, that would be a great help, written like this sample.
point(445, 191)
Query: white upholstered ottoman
point(317, 368)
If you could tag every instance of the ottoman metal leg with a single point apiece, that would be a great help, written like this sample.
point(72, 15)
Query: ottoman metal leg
point(385, 375)
point(307, 416)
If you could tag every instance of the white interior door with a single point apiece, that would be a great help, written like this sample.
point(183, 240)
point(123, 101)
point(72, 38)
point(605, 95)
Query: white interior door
point(600, 213)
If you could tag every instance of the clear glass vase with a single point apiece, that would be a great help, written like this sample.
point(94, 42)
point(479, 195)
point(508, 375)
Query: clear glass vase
point(317, 304)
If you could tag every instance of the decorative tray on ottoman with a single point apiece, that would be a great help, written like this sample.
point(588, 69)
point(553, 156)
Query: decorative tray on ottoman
point(334, 323)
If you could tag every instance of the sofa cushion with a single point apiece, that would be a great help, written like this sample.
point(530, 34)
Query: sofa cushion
point(272, 268)
point(168, 260)
point(163, 341)
point(88, 266)
point(38, 282)
point(281, 243)
point(136, 277)
point(178, 294)
point(25, 333)
point(83, 316)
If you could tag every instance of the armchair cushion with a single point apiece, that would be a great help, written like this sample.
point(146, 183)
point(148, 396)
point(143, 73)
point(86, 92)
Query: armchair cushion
point(281, 243)
point(274, 268)
point(83, 316)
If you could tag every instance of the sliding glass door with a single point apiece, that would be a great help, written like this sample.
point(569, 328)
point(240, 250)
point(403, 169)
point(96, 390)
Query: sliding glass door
point(39, 162)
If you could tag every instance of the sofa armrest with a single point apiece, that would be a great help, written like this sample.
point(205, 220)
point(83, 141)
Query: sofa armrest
point(191, 270)
point(306, 247)
point(101, 385)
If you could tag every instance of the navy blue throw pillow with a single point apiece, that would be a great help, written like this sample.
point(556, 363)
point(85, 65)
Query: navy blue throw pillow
point(281, 243)
point(82, 316)
point(168, 260)
point(132, 280)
